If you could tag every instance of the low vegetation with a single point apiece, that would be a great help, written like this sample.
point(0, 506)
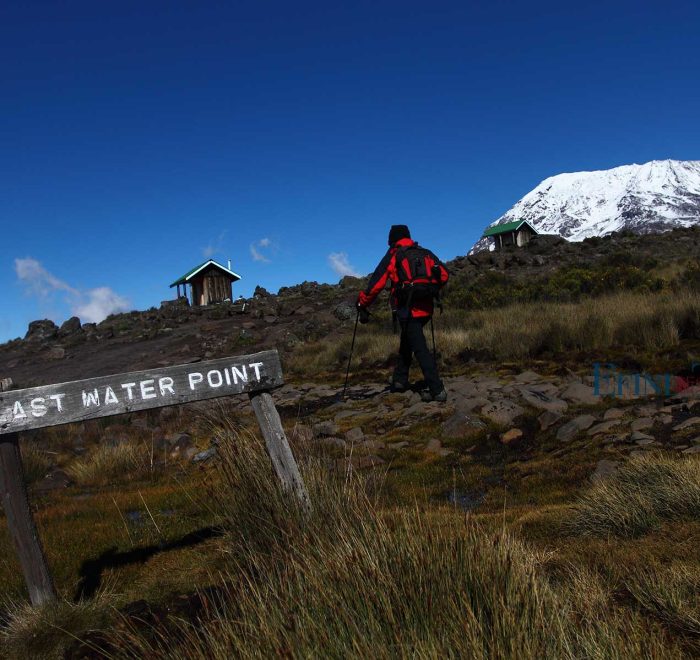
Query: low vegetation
point(359, 579)
point(643, 493)
point(642, 323)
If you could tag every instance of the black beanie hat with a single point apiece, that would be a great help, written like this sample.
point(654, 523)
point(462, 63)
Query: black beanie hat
point(397, 232)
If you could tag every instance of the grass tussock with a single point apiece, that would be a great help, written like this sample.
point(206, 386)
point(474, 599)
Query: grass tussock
point(639, 496)
point(47, 631)
point(354, 580)
point(36, 462)
point(627, 320)
point(106, 463)
point(671, 595)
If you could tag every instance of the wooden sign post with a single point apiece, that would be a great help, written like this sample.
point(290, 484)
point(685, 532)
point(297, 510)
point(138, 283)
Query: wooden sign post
point(78, 401)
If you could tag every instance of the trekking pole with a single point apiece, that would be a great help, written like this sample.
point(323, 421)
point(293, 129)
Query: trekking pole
point(352, 348)
point(432, 331)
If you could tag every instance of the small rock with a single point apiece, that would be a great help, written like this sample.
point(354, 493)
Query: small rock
point(324, 429)
point(460, 425)
point(355, 435)
point(511, 436)
point(646, 442)
point(345, 311)
point(692, 421)
point(603, 427)
point(204, 455)
point(604, 470)
point(692, 450)
point(542, 401)
point(642, 423)
point(434, 446)
point(638, 436)
point(468, 405)
point(374, 445)
point(571, 429)
point(369, 461)
point(527, 377)
point(502, 412)
point(57, 353)
point(179, 443)
point(613, 413)
point(333, 442)
point(580, 393)
point(397, 445)
point(547, 418)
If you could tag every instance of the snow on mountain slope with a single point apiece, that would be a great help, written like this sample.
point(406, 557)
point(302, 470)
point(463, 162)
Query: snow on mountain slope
point(656, 196)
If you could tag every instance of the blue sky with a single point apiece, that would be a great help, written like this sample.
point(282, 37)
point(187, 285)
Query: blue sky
point(136, 139)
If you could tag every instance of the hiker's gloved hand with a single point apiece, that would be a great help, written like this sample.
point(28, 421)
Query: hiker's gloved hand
point(362, 299)
point(364, 315)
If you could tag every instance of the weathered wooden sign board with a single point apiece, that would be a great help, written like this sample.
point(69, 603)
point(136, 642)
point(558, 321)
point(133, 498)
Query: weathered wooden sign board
point(50, 405)
point(78, 401)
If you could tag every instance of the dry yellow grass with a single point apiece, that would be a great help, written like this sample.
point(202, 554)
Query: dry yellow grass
point(628, 320)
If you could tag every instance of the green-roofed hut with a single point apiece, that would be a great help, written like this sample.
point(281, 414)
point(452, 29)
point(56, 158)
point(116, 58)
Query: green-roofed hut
point(209, 282)
point(510, 233)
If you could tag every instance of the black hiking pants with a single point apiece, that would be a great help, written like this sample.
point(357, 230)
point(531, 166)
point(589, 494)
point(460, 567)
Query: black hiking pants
point(413, 343)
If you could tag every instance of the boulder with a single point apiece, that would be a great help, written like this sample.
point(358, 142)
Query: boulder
point(70, 327)
point(345, 311)
point(572, 428)
point(41, 331)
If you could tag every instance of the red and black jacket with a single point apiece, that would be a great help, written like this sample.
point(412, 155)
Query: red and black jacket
point(387, 270)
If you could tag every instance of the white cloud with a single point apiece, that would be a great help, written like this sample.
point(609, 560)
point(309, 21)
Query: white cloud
point(340, 263)
point(92, 305)
point(256, 250)
point(37, 280)
point(214, 247)
point(99, 303)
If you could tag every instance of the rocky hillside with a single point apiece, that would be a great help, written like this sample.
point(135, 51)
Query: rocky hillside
point(548, 268)
point(655, 196)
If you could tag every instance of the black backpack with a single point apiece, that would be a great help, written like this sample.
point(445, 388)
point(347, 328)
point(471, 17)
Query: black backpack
point(418, 271)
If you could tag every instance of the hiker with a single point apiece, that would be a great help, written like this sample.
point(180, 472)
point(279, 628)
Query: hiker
point(416, 276)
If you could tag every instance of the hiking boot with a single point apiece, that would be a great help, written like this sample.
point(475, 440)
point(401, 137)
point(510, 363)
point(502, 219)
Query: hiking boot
point(428, 396)
point(398, 386)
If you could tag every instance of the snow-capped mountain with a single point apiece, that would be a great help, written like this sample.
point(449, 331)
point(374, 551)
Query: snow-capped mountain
point(656, 196)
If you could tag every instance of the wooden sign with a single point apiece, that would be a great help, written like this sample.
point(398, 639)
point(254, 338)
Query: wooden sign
point(51, 405)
